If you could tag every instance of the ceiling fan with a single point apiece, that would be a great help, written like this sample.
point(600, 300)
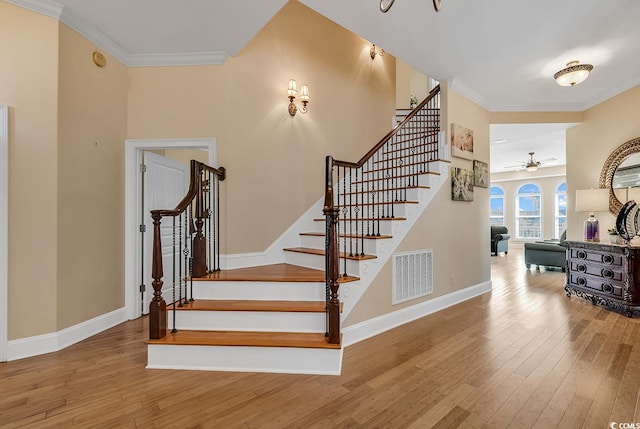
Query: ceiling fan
point(532, 165)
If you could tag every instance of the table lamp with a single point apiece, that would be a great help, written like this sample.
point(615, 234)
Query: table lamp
point(592, 200)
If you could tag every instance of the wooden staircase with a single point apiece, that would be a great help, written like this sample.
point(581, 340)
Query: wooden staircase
point(273, 318)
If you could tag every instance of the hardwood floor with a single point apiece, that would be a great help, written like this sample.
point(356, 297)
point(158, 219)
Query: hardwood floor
point(521, 356)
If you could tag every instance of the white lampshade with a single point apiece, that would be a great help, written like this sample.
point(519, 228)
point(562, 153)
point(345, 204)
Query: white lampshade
point(592, 200)
point(304, 93)
point(292, 91)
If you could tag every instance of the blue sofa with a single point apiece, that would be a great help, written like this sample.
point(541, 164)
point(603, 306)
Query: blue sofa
point(499, 239)
point(549, 253)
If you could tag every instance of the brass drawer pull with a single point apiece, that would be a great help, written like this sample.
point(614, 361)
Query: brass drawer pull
point(581, 281)
point(607, 287)
point(607, 259)
point(581, 268)
point(581, 254)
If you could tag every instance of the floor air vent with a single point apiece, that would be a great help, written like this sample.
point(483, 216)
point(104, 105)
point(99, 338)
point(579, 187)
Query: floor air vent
point(412, 275)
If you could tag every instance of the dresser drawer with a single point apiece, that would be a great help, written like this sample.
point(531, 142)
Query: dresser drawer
point(611, 288)
point(600, 257)
point(609, 272)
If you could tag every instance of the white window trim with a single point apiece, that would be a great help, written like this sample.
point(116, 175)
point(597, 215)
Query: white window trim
point(516, 217)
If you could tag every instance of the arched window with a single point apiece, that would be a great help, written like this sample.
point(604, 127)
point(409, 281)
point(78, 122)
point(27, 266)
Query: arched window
point(528, 209)
point(561, 209)
point(497, 205)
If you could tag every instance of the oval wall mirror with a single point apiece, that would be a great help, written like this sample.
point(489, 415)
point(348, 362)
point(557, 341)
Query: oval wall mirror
point(621, 175)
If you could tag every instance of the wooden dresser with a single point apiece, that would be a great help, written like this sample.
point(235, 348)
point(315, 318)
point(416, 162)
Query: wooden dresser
point(604, 274)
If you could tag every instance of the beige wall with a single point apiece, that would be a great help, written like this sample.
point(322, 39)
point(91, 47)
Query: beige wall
point(457, 232)
point(409, 81)
point(28, 84)
point(536, 117)
point(605, 127)
point(92, 126)
point(275, 163)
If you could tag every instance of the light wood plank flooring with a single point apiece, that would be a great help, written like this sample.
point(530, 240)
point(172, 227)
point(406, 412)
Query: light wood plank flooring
point(522, 356)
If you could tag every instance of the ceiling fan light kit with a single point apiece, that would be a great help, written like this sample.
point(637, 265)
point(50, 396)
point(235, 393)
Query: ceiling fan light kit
point(531, 164)
point(573, 74)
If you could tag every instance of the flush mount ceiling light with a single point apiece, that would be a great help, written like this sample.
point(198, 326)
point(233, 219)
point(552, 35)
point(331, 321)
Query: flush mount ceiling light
point(573, 74)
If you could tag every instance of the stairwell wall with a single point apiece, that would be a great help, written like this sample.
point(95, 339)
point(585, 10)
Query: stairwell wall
point(457, 232)
point(28, 85)
point(92, 124)
point(275, 162)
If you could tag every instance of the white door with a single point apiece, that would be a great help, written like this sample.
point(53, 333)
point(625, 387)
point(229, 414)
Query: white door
point(166, 182)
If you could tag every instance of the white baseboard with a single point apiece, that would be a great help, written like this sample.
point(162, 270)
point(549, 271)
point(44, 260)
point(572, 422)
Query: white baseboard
point(47, 343)
point(372, 327)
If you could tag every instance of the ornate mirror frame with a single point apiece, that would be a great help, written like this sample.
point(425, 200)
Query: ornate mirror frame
point(611, 165)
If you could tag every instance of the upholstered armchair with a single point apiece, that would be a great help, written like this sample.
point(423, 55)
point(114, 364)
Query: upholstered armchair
point(499, 239)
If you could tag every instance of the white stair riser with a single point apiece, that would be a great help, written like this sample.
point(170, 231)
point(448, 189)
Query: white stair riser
point(383, 227)
point(398, 210)
point(289, 360)
point(262, 321)
point(264, 291)
point(318, 242)
point(418, 180)
point(317, 262)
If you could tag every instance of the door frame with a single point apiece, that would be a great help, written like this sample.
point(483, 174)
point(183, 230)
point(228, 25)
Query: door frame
point(132, 195)
point(4, 231)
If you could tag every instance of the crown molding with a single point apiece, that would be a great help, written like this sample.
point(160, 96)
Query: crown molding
point(43, 7)
point(182, 59)
point(108, 45)
point(94, 35)
point(463, 89)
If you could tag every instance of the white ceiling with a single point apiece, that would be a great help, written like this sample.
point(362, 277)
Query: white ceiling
point(511, 144)
point(499, 53)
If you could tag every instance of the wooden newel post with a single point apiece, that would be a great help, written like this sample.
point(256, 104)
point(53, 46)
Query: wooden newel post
point(199, 241)
point(334, 302)
point(199, 250)
point(157, 306)
point(332, 254)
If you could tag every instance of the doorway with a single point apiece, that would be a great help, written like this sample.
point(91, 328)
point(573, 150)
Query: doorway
point(134, 239)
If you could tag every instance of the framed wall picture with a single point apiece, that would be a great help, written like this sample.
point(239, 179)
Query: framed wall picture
point(461, 184)
point(480, 174)
point(461, 142)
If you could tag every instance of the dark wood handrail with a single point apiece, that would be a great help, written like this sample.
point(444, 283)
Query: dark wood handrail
point(435, 91)
point(199, 213)
point(369, 193)
point(196, 168)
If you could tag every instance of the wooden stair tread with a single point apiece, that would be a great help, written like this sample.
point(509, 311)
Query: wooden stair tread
point(254, 305)
point(321, 253)
point(383, 203)
point(366, 237)
point(342, 219)
point(267, 273)
point(272, 273)
point(244, 338)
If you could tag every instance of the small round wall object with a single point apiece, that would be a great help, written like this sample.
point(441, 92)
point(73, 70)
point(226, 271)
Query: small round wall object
point(99, 59)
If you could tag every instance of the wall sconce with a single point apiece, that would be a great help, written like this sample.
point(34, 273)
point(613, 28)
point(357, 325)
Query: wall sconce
point(292, 91)
point(375, 50)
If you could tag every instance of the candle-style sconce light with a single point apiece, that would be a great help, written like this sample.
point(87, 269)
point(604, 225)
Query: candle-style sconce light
point(292, 91)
